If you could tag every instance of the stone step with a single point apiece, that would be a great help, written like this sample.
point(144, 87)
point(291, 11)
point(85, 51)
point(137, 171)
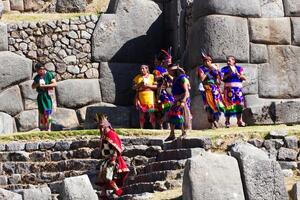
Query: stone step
point(187, 143)
point(178, 154)
point(141, 150)
point(139, 188)
point(155, 176)
point(162, 166)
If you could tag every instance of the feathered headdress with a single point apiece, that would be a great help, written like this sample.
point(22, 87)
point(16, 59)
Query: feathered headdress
point(102, 120)
point(205, 56)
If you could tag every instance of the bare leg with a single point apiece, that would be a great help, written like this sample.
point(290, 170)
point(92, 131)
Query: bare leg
point(152, 120)
point(183, 132)
point(172, 133)
point(42, 121)
point(227, 122)
point(142, 119)
point(239, 120)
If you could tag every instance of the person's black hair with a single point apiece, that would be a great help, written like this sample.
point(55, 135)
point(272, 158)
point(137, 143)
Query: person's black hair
point(38, 66)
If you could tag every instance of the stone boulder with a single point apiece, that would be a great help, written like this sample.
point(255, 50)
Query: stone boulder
point(8, 195)
point(203, 35)
point(284, 59)
point(3, 35)
point(292, 8)
point(270, 30)
point(288, 112)
point(116, 82)
point(81, 113)
point(272, 8)
point(250, 86)
point(78, 187)
point(29, 95)
point(199, 115)
point(64, 118)
point(212, 177)
point(33, 5)
point(27, 120)
point(14, 69)
point(11, 101)
point(262, 177)
point(76, 93)
point(296, 30)
point(7, 123)
point(66, 6)
point(17, 5)
point(133, 34)
point(1, 9)
point(247, 8)
point(119, 116)
point(258, 53)
point(43, 193)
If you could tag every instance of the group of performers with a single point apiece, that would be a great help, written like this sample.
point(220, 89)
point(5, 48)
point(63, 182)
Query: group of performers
point(165, 93)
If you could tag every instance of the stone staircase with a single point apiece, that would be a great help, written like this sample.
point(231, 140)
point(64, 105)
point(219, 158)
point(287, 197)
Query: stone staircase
point(154, 165)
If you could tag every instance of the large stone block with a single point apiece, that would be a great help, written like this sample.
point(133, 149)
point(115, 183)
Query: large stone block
point(64, 6)
point(8, 195)
point(288, 112)
point(199, 115)
point(17, 5)
point(296, 30)
point(270, 30)
point(250, 86)
point(14, 69)
point(77, 93)
point(3, 36)
point(292, 8)
point(6, 6)
point(33, 5)
point(219, 175)
point(11, 101)
point(262, 177)
point(282, 72)
point(247, 8)
point(295, 193)
point(208, 33)
point(27, 120)
point(7, 123)
point(78, 187)
point(43, 193)
point(1, 9)
point(272, 8)
point(118, 116)
point(116, 82)
point(81, 113)
point(29, 95)
point(64, 118)
point(133, 34)
point(258, 53)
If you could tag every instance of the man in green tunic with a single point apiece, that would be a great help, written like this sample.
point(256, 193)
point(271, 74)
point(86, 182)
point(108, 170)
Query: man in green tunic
point(44, 82)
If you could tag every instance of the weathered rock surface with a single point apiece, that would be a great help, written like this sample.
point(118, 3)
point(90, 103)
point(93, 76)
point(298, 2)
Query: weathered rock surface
point(11, 101)
point(64, 118)
point(63, 6)
point(262, 177)
point(14, 69)
point(118, 116)
point(250, 86)
point(8, 195)
point(116, 82)
point(199, 115)
point(33, 5)
point(4, 36)
point(78, 187)
point(81, 113)
point(292, 8)
point(270, 30)
point(295, 193)
point(43, 193)
point(284, 59)
point(124, 37)
point(219, 45)
point(27, 120)
point(232, 7)
point(272, 8)
point(296, 30)
point(1, 9)
point(221, 175)
point(17, 5)
point(78, 93)
point(29, 95)
point(258, 53)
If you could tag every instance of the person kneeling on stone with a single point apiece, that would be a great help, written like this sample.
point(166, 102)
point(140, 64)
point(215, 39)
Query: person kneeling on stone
point(113, 169)
point(44, 82)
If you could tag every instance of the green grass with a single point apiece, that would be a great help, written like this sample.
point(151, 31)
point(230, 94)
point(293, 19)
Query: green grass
point(221, 133)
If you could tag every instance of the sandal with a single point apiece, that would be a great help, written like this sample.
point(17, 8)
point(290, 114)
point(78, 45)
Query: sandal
point(227, 124)
point(240, 124)
point(183, 136)
point(170, 138)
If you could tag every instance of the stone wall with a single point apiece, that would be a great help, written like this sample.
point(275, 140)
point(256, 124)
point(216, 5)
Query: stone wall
point(64, 46)
point(263, 36)
point(61, 6)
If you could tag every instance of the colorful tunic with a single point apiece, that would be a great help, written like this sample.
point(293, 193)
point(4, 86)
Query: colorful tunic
point(44, 99)
point(164, 98)
point(145, 97)
point(233, 94)
point(212, 96)
point(112, 165)
point(179, 115)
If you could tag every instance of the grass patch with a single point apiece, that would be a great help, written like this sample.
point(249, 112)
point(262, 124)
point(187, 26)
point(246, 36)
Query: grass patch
point(174, 194)
point(232, 133)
